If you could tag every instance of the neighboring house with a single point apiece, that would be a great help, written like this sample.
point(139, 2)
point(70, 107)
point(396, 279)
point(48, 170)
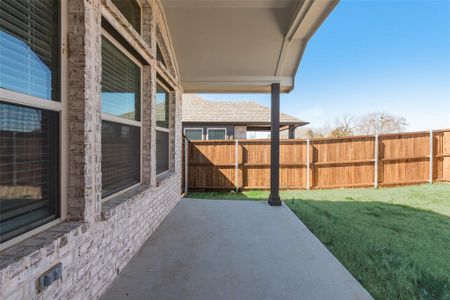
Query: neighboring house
point(90, 121)
point(219, 120)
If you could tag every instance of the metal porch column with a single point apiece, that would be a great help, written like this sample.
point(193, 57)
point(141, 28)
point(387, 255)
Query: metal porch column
point(274, 198)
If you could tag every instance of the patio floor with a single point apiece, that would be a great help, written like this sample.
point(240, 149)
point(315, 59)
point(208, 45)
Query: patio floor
point(218, 249)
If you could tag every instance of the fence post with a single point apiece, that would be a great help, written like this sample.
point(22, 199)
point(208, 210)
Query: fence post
point(236, 169)
point(375, 166)
point(431, 156)
point(186, 164)
point(307, 164)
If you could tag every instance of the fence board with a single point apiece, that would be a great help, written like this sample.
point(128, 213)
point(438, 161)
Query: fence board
point(343, 162)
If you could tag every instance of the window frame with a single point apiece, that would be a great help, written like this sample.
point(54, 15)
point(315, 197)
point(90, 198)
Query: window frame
point(194, 128)
point(120, 120)
point(163, 129)
point(216, 128)
point(60, 107)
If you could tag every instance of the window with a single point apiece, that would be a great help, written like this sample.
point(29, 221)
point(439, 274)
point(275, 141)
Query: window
point(120, 83)
point(159, 56)
point(121, 116)
point(217, 133)
point(193, 133)
point(131, 10)
point(162, 129)
point(29, 115)
point(120, 156)
point(29, 48)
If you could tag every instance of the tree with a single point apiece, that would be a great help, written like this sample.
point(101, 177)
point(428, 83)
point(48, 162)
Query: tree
point(310, 132)
point(343, 127)
point(379, 123)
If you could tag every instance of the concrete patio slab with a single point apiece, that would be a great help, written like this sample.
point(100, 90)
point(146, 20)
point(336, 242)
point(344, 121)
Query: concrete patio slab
point(218, 249)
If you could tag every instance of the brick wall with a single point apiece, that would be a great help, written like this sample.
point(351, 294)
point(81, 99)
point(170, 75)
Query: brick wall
point(240, 132)
point(97, 239)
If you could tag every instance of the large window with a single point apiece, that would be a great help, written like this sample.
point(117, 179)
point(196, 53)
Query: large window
point(121, 116)
point(193, 134)
point(162, 129)
point(131, 10)
point(29, 115)
point(217, 133)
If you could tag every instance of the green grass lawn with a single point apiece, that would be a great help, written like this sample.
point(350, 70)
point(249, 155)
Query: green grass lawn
point(395, 241)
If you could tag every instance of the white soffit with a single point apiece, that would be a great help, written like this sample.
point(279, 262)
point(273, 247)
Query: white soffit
point(238, 46)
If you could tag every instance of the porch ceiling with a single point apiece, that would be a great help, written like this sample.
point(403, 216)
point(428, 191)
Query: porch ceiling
point(241, 45)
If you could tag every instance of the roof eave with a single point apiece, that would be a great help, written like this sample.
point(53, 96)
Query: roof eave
point(296, 123)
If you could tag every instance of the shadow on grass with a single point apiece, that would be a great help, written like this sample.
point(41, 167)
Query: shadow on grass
point(395, 251)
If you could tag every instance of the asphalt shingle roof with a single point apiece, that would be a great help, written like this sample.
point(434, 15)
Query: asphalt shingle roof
point(196, 109)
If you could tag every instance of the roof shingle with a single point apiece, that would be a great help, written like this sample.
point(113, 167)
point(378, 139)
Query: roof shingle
point(196, 109)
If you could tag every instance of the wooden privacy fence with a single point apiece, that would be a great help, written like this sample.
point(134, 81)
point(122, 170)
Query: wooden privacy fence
point(359, 161)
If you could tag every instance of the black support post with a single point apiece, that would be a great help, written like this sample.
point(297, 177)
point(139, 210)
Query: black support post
point(274, 198)
point(291, 131)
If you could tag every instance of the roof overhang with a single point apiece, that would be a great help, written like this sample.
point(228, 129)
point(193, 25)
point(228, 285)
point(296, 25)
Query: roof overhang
point(239, 46)
point(298, 124)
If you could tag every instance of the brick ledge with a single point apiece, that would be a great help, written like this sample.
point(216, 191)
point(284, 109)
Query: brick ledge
point(109, 207)
point(33, 249)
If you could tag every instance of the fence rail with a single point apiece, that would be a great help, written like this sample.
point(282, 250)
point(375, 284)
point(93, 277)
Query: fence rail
point(358, 161)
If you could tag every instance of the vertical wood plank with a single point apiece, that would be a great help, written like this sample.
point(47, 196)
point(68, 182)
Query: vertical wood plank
point(431, 157)
point(375, 167)
point(186, 165)
point(307, 165)
point(236, 171)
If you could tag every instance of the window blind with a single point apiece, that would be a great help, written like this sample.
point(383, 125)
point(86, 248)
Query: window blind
point(28, 168)
point(121, 83)
point(29, 47)
point(162, 152)
point(120, 157)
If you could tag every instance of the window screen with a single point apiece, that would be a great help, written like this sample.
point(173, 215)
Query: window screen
point(29, 47)
point(28, 168)
point(162, 153)
point(216, 134)
point(131, 10)
point(194, 134)
point(121, 83)
point(120, 157)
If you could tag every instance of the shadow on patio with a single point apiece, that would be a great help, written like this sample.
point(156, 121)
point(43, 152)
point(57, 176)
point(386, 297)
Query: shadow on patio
point(234, 250)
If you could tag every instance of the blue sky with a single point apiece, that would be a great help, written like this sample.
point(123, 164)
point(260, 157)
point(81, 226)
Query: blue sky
point(389, 56)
